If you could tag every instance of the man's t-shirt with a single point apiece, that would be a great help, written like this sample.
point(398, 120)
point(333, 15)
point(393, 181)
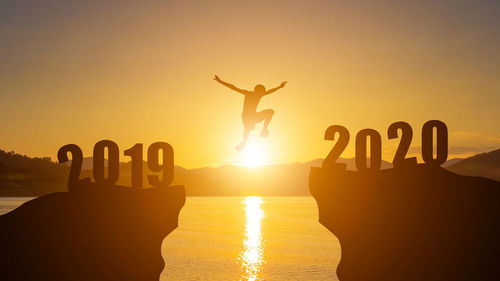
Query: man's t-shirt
point(250, 104)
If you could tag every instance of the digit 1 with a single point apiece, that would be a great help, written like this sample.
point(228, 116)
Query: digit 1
point(167, 166)
point(441, 144)
point(113, 162)
point(375, 150)
point(135, 152)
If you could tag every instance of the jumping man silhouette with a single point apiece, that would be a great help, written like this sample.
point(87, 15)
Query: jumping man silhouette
point(250, 115)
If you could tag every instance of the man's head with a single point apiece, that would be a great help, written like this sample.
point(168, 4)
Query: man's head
point(259, 88)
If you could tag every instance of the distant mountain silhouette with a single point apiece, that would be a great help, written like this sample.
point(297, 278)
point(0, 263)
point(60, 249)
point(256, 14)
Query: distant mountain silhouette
point(451, 162)
point(482, 165)
point(21, 175)
point(44, 176)
point(279, 179)
point(88, 163)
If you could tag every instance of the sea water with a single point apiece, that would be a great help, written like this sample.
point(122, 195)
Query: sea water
point(245, 238)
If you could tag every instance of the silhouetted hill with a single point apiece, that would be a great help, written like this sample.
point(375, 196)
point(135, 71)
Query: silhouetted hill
point(451, 162)
point(482, 165)
point(290, 179)
point(25, 176)
point(21, 175)
point(88, 163)
point(279, 179)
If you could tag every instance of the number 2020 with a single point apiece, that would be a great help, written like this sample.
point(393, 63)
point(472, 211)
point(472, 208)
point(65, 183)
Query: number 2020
point(392, 133)
point(135, 152)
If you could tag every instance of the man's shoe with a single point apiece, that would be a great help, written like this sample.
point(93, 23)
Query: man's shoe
point(241, 146)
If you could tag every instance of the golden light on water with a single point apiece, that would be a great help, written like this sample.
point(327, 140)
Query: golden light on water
point(252, 257)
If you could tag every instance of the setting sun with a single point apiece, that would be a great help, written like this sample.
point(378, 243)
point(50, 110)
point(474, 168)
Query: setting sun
point(255, 155)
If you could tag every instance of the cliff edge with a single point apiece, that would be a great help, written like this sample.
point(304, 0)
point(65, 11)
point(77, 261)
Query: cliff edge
point(95, 232)
point(413, 223)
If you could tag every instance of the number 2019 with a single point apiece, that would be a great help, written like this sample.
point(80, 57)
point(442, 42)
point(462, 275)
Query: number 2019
point(135, 152)
point(392, 133)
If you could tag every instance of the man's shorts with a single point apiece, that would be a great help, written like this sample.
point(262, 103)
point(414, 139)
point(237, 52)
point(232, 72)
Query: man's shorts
point(250, 119)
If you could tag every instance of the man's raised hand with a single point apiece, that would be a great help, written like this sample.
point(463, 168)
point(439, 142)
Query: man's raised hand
point(216, 78)
point(283, 84)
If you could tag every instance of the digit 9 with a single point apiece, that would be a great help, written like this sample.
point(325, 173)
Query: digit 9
point(166, 167)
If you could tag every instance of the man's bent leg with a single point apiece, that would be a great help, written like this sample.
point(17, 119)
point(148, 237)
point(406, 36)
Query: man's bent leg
point(267, 115)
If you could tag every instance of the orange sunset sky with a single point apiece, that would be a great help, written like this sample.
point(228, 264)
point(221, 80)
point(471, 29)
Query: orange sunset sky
point(142, 72)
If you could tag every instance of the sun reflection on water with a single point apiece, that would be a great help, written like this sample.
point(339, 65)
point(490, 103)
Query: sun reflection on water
point(252, 253)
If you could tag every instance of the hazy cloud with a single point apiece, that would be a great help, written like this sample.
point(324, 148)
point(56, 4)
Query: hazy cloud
point(495, 138)
point(457, 150)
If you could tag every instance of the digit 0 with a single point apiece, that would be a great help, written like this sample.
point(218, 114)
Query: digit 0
point(441, 142)
point(375, 150)
point(113, 162)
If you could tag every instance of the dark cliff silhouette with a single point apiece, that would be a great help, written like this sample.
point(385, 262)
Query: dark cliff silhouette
point(94, 232)
point(415, 222)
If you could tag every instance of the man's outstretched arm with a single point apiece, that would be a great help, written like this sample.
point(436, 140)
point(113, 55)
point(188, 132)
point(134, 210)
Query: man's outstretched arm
point(277, 88)
point(230, 86)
